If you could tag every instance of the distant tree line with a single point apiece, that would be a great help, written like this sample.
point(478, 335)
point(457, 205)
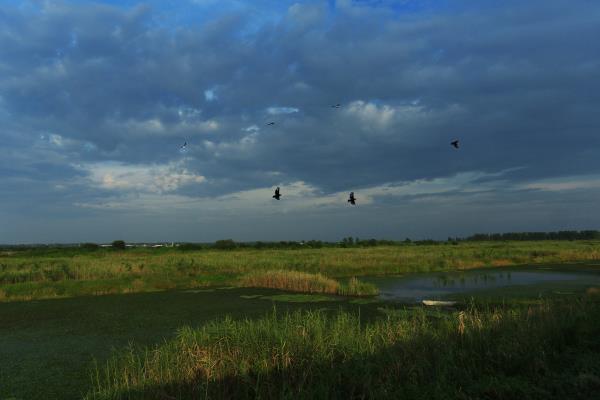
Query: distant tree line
point(230, 244)
point(525, 236)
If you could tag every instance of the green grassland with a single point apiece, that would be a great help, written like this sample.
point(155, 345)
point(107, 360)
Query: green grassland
point(27, 275)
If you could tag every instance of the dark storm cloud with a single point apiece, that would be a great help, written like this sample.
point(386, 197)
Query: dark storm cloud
point(83, 84)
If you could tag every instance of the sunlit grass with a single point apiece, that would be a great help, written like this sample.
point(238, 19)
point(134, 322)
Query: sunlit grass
point(295, 281)
point(27, 275)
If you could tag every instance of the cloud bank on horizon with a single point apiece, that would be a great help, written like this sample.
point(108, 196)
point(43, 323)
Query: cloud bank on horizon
point(97, 98)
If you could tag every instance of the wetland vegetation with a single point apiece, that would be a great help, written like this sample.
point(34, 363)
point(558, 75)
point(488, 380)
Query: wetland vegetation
point(38, 274)
point(547, 351)
point(293, 323)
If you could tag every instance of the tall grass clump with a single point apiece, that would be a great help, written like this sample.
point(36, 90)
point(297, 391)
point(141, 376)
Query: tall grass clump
point(307, 283)
point(551, 351)
point(354, 287)
point(291, 280)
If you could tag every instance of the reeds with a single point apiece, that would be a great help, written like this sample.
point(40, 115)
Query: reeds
point(473, 354)
point(354, 287)
point(303, 282)
point(293, 281)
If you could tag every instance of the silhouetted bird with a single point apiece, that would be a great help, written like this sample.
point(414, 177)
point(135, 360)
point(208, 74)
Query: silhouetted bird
point(454, 143)
point(277, 195)
point(352, 199)
point(271, 123)
point(338, 105)
point(183, 146)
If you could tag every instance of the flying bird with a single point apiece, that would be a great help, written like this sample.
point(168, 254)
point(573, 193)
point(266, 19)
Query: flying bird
point(352, 199)
point(454, 143)
point(338, 105)
point(277, 195)
point(271, 123)
point(183, 147)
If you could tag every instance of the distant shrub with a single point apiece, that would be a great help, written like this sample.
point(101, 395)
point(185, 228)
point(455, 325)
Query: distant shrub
point(347, 242)
point(426, 242)
point(226, 244)
point(532, 236)
point(189, 246)
point(118, 244)
point(314, 244)
point(89, 246)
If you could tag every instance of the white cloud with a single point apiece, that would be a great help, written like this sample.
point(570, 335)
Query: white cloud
point(73, 39)
point(56, 140)
point(153, 178)
point(567, 183)
point(373, 114)
point(412, 118)
point(251, 128)
point(210, 95)
point(209, 125)
point(189, 112)
point(188, 120)
point(282, 110)
point(249, 140)
point(87, 146)
point(152, 126)
point(241, 145)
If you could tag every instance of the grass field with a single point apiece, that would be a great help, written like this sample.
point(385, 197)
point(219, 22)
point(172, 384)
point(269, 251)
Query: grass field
point(26, 275)
point(170, 324)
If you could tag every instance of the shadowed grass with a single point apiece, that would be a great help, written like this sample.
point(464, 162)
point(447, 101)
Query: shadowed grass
point(482, 352)
point(295, 281)
point(299, 298)
point(46, 347)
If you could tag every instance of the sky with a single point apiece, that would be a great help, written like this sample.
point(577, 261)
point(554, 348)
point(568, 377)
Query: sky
point(97, 98)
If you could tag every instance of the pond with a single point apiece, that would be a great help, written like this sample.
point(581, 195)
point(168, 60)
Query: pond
point(417, 287)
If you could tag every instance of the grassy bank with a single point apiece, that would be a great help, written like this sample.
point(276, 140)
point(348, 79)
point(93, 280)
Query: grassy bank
point(26, 275)
point(548, 351)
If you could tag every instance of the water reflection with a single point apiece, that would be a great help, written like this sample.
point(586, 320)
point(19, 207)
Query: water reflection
point(477, 280)
point(435, 286)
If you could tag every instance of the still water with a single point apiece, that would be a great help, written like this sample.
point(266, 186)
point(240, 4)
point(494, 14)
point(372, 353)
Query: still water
point(438, 285)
